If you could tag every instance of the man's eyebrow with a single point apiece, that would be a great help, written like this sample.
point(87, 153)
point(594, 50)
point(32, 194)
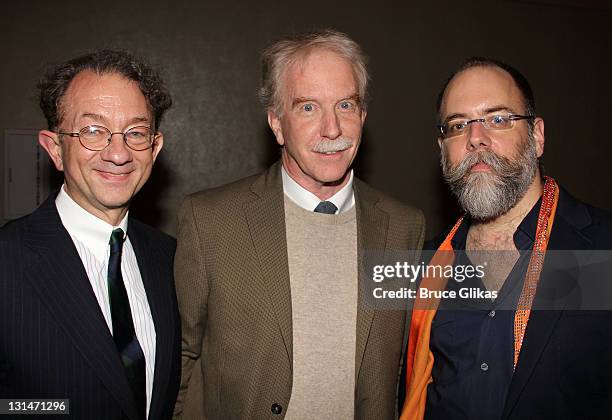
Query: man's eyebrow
point(138, 120)
point(497, 109)
point(487, 111)
point(301, 99)
point(354, 97)
point(102, 118)
point(93, 116)
point(455, 116)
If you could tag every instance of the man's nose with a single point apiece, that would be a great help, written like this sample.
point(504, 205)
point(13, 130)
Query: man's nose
point(330, 126)
point(478, 136)
point(117, 151)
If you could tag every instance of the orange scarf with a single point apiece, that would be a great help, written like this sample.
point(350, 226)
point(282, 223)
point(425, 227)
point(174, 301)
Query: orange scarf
point(420, 359)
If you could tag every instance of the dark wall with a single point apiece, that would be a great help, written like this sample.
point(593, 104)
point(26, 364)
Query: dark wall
point(216, 132)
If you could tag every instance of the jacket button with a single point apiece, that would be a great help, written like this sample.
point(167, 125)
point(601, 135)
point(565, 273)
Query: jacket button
point(276, 409)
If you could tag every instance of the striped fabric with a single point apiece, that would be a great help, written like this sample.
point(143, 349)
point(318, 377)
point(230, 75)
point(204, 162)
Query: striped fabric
point(55, 341)
point(91, 234)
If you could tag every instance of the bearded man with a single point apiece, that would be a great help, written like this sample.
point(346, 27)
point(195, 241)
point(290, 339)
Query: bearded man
point(497, 358)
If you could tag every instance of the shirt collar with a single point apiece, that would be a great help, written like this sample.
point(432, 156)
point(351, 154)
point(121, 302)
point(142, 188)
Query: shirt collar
point(88, 229)
point(526, 231)
point(343, 199)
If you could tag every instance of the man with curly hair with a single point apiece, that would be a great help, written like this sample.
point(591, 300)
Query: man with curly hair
point(88, 310)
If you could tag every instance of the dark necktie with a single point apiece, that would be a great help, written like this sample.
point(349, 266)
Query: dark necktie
point(326, 207)
point(124, 334)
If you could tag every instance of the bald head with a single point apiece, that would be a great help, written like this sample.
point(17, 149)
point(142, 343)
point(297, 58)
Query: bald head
point(519, 80)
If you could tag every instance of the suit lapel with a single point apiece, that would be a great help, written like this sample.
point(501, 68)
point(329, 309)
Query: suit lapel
point(58, 276)
point(539, 330)
point(160, 303)
point(372, 225)
point(266, 219)
point(571, 217)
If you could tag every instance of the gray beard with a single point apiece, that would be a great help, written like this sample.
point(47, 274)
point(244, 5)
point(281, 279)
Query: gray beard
point(484, 196)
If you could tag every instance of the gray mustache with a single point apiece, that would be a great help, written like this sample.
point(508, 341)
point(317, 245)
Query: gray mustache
point(499, 164)
point(330, 146)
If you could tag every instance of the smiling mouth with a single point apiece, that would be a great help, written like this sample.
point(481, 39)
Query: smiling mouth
point(338, 154)
point(113, 175)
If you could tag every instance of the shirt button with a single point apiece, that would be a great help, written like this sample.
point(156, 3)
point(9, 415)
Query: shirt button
point(484, 367)
point(491, 314)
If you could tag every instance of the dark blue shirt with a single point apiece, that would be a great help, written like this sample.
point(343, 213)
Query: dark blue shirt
point(472, 340)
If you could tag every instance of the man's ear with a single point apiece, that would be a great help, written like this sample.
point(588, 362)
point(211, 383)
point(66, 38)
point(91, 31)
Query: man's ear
point(49, 141)
point(158, 143)
point(538, 135)
point(275, 125)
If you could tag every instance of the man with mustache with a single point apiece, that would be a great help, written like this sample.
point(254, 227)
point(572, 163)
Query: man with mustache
point(88, 310)
point(499, 358)
point(268, 268)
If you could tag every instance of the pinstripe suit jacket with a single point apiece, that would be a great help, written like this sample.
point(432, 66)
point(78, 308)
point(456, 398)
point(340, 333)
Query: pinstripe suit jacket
point(54, 341)
point(234, 296)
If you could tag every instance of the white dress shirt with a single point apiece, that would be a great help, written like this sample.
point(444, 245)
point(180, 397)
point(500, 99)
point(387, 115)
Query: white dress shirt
point(91, 237)
point(344, 199)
